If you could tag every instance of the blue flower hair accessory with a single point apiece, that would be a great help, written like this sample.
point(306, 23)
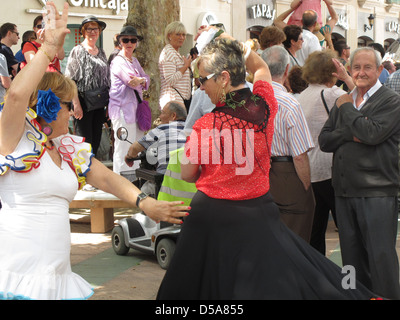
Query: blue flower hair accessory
point(48, 105)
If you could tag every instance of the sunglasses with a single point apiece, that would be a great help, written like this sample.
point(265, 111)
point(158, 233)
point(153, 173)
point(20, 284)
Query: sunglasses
point(203, 80)
point(126, 40)
point(39, 26)
point(69, 104)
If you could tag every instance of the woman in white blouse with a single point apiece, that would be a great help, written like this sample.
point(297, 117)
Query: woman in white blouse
point(317, 101)
point(175, 68)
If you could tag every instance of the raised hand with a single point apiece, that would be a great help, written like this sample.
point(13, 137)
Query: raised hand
point(341, 72)
point(55, 26)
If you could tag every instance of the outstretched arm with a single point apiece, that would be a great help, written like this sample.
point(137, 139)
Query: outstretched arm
point(12, 119)
point(108, 181)
point(332, 12)
point(279, 21)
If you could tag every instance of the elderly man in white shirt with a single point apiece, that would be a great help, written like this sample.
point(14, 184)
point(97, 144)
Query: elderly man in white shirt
point(311, 42)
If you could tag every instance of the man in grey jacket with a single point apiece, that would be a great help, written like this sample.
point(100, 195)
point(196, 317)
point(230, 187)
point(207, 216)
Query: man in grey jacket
point(363, 132)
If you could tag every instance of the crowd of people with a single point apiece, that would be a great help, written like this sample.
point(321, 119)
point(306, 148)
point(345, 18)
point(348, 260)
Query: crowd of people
point(318, 127)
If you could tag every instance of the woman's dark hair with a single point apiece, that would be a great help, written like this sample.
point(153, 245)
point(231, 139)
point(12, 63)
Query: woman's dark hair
point(296, 81)
point(37, 19)
point(378, 47)
point(339, 46)
point(292, 32)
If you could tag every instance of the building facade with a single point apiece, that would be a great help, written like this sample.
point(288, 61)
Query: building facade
point(243, 19)
point(114, 13)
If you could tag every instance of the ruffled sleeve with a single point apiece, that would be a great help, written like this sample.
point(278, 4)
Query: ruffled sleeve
point(30, 149)
point(77, 153)
point(26, 156)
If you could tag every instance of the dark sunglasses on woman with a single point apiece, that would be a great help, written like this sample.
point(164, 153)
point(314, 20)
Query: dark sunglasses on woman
point(69, 104)
point(126, 40)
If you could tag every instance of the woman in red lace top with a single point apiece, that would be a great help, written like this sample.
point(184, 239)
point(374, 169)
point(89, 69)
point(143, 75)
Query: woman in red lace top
point(233, 244)
point(236, 138)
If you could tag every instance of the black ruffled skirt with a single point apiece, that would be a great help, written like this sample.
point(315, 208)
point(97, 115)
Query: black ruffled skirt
point(241, 250)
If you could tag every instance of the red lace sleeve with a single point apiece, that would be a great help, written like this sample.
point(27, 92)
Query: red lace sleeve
point(265, 90)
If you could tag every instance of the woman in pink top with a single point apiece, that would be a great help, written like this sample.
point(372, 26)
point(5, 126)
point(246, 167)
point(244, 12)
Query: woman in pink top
point(127, 76)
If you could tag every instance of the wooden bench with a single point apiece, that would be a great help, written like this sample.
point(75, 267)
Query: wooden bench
point(101, 205)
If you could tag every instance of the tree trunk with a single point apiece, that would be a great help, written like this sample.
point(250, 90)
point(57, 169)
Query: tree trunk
point(150, 17)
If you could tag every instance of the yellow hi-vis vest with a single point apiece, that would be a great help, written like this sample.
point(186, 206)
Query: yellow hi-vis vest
point(173, 188)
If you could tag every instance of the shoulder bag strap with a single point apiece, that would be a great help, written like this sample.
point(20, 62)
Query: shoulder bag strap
point(295, 60)
point(136, 93)
point(178, 93)
point(138, 97)
point(323, 100)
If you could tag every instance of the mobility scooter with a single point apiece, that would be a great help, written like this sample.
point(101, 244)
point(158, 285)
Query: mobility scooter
point(139, 231)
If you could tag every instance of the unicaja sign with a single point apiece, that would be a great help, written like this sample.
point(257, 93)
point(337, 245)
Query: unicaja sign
point(116, 5)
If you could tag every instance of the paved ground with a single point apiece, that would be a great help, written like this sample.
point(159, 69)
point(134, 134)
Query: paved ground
point(136, 276)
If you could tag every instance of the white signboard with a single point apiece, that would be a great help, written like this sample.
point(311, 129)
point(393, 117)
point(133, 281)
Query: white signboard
point(262, 11)
point(116, 5)
point(393, 26)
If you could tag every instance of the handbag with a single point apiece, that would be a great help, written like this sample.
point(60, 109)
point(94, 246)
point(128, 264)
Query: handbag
point(143, 113)
point(186, 102)
point(96, 98)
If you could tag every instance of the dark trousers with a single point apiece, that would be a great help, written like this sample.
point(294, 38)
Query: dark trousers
point(90, 126)
point(367, 233)
point(296, 205)
point(324, 203)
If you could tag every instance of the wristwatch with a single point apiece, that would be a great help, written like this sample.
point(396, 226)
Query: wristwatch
point(140, 197)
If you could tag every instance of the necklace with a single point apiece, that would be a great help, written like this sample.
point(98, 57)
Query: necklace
point(126, 58)
point(51, 145)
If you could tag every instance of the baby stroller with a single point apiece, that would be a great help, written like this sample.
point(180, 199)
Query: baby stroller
point(139, 231)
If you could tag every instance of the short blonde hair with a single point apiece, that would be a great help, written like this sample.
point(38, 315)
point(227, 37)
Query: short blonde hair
point(319, 67)
point(63, 87)
point(174, 27)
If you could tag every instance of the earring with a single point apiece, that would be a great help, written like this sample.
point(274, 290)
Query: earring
point(222, 98)
point(47, 130)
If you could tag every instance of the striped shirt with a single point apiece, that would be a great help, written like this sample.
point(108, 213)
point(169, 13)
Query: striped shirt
point(292, 136)
point(393, 82)
point(172, 80)
point(160, 141)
